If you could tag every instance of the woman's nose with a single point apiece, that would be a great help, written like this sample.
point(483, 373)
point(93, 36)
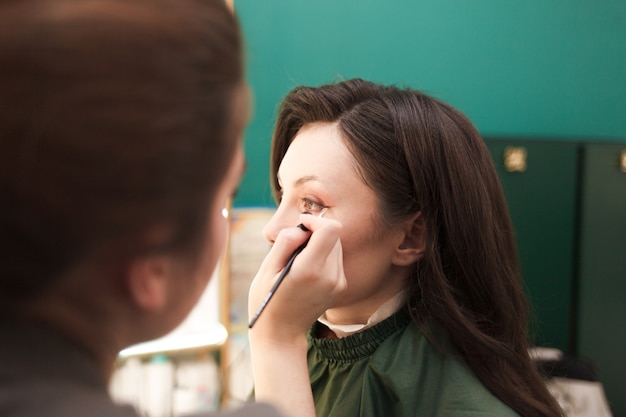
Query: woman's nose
point(278, 222)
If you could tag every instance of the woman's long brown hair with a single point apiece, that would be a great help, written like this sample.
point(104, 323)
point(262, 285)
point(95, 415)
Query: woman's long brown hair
point(421, 155)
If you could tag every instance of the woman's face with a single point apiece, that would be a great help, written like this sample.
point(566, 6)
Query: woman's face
point(319, 171)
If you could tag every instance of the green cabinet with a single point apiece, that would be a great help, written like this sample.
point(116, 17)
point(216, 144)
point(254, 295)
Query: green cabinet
point(568, 205)
point(542, 201)
point(602, 269)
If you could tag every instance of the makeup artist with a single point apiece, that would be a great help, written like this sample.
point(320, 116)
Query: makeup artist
point(434, 318)
point(120, 143)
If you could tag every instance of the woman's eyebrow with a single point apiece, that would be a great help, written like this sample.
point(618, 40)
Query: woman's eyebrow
point(306, 179)
point(300, 181)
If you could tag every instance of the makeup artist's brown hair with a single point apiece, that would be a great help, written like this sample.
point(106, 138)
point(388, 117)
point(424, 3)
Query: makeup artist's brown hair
point(421, 155)
point(115, 119)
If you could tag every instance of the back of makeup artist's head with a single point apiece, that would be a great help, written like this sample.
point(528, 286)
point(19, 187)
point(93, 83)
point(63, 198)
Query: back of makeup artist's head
point(420, 155)
point(118, 123)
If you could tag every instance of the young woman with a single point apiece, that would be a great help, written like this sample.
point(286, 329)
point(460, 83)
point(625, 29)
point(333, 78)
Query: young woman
point(433, 320)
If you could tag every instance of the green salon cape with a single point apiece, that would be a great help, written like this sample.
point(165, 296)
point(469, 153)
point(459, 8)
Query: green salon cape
point(392, 370)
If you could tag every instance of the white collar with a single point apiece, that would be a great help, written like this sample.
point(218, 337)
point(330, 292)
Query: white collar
point(388, 308)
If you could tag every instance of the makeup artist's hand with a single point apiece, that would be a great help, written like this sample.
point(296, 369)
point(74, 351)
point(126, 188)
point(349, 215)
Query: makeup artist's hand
point(315, 281)
point(278, 344)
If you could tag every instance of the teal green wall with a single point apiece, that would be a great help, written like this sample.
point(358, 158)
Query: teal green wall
point(534, 68)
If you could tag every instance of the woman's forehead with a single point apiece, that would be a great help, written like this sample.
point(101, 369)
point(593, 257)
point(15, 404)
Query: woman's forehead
point(317, 153)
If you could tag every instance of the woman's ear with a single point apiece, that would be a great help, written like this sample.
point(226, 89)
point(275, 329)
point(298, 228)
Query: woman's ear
point(147, 281)
point(414, 241)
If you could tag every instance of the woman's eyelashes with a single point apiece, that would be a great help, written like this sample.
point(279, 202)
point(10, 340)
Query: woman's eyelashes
point(308, 204)
point(311, 206)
